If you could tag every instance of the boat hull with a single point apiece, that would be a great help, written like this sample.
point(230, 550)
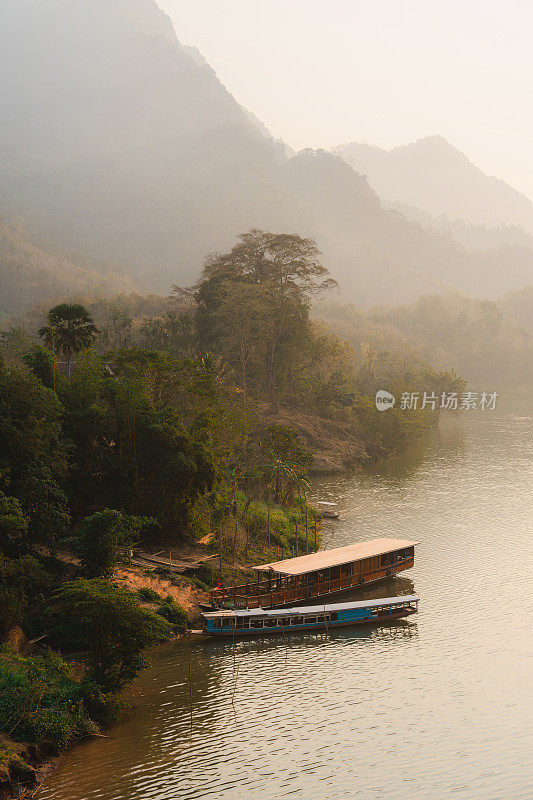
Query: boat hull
point(320, 626)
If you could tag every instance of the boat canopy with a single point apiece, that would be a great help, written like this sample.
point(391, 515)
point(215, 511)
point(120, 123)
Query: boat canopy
point(314, 562)
point(321, 609)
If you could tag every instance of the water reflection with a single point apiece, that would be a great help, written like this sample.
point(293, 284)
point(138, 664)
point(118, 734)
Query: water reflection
point(435, 706)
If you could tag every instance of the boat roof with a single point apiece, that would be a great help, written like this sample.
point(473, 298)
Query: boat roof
point(334, 558)
point(279, 612)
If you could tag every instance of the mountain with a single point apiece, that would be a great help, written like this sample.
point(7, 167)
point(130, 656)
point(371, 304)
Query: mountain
point(31, 273)
point(435, 176)
point(372, 246)
point(119, 142)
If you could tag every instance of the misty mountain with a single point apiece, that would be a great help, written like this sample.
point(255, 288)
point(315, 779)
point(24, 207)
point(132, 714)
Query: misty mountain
point(120, 142)
point(435, 176)
point(31, 273)
point(117, 140)
point(363, 238)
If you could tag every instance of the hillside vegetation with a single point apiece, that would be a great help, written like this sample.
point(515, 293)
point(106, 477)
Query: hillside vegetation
point(30, 273)
point(489, 343)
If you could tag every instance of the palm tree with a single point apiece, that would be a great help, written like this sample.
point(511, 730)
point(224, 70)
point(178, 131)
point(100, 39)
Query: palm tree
point(70, 329)
point(279, 471)
point(297, 482)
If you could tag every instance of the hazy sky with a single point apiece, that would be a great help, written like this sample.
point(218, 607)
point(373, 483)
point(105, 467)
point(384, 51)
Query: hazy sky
point(326, 72)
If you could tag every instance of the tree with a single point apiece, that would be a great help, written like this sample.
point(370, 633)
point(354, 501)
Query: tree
point(132, 446)
point(21, 580)
point(70, 329)
point(111, 627)
point(102, 535)
point(239, 324)
point(13, 524)
point(33, 453)
point(253, 305)
point(285, 261)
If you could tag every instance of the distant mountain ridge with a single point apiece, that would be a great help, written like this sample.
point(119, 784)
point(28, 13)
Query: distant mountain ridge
point(435, 176)
point(118, 141)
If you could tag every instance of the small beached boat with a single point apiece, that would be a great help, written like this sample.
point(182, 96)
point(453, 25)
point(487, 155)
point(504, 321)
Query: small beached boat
point(328, 510)
point(260, 621)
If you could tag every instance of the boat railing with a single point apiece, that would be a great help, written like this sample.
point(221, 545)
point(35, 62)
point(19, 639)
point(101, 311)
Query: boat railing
point(265, 594)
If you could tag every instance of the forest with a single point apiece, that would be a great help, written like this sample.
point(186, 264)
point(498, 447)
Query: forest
point(145, 421)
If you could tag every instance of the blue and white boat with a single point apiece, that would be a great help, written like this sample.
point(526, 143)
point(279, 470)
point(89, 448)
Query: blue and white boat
point(259, 621)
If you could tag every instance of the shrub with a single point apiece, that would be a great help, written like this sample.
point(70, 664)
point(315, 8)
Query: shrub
point(175, 614)
point(112, 627)
point(148, 595)
point(40, 701)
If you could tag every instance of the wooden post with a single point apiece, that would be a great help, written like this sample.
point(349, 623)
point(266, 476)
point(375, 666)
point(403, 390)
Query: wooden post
point(306, 533)
point(220, 549)
point(268, 524)
point(315, 537)
point(235, 539)
point(297, 546)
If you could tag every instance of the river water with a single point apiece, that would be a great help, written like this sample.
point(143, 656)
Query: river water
point(437, 706)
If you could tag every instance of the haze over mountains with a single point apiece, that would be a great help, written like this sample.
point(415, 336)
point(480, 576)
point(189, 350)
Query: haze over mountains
point(117, 140)
point(433, 175)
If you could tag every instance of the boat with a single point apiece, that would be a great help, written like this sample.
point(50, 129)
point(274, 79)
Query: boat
point(327, 572)
point(259, 621)
point(328, 510)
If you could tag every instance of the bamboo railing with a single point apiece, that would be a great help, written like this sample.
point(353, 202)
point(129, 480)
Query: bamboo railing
point(266, 594)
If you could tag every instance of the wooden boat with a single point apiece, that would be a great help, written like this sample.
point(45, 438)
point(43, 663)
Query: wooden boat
point(318, 574)
point(328, 510)
point(256, 622)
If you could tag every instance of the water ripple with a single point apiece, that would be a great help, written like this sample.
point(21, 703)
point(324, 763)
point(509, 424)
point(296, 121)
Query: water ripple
point(425, 709)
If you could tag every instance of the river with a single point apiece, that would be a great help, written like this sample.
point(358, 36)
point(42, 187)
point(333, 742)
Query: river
point(437, 706)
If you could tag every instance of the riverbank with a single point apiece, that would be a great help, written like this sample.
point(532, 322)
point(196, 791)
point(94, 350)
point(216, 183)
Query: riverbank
point(338, 700)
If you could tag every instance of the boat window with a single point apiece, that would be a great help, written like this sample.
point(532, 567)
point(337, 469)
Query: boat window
point(297, 621)
point(270, 622)
point(334, 617)
point(217, 623)
point(310, 620)
point(256, 623)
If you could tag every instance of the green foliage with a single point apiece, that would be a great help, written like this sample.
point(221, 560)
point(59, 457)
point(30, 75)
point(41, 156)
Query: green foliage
point(13, 525)
point(133, 448)
point(33, 453)
point(102, 535)
point(253, 307)
point(22, 580)
point(39, 360)
point(70, 329)
point(40, 701)
point(148, 595)
point(286, 444)
point(175, 614)
point(111, 627)
point(173, 332)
